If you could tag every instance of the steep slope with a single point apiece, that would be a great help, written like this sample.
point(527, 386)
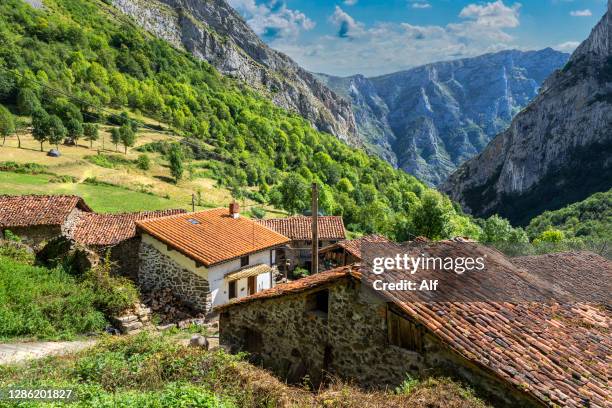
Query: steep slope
point(430, 119)
point(558, 150)
point(211, 30)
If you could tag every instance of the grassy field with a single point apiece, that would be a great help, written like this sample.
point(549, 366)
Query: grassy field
point(100, 197)
point(130, 185)
point(155, 371)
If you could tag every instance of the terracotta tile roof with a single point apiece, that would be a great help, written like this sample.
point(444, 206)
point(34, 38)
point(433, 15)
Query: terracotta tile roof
point(353, 246)
point(300, 227)
point(31, 210)
point(559, 354)
point(297, 286)
point(211, 237)
point(110, 229)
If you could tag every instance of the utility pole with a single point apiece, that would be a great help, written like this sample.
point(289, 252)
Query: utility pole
point(314, 269)
point(193, 200)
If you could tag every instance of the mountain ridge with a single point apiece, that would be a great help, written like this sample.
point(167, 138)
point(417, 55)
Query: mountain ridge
point(557, 150)
point(213, 31)
point(428, 119)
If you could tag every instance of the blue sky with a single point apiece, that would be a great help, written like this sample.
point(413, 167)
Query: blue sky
point(371, 37)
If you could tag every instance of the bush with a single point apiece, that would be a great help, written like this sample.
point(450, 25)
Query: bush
point(258, 212)
point(63, 179)
point(143, 162)
point(109, 161)
point(44, 303)
point(24, 168)
point(113, 294)
point(300, 272)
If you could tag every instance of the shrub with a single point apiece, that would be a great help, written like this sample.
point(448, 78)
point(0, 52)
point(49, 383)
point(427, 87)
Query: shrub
point(24, 168)
point(300, 272)
point(113, 294)
point(63, 179)
point(143, 162)
point(44, 303)
point(258, 212)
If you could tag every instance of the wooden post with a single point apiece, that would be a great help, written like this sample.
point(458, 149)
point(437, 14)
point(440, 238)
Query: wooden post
point(314, 269)
point(193, 202)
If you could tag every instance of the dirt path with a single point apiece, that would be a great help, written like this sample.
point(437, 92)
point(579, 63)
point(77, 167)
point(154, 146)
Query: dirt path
point(12, 353)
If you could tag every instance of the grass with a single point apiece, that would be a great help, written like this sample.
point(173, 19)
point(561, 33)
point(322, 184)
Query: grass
point(102, 198)
point(44, 303)
point(141, 190)
point(155, 371)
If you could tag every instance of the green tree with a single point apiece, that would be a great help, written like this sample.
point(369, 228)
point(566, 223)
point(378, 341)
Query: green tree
point(128, 136)
point(116, 137)
point(431, 218)
point(7, 124)
point(57, 130)
point(176, 163)
point(27, 101)
point(552, 236)
point(294, 194)
point(91, 132)
point(40, 131)
point(143, 162)
point(74, 129)
point(498, 229)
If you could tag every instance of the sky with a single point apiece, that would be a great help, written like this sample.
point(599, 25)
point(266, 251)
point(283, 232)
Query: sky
point(376, 37)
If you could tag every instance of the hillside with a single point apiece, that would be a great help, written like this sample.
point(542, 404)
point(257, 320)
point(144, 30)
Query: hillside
point(428, 120)
point(213, 31)
point(588, 220)
point(74, 60)
point(557, 151)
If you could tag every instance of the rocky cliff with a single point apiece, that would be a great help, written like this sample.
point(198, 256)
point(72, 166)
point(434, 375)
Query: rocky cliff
point(558, 150)
point(213, 31)
point(430, 119)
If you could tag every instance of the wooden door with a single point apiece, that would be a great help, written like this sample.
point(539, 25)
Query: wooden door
point(252, 284)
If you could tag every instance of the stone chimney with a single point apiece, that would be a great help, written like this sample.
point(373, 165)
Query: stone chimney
point(234, 210)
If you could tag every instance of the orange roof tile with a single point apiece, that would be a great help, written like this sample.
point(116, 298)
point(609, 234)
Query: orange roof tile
point(211, 237)
point(557, 353)
point(300, 227)
point(110, 229)
point(31, 210)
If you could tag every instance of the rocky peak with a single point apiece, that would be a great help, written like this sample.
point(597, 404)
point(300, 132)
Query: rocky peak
point(557, 150)
point(213, 31)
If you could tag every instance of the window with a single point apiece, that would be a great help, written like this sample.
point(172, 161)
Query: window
point(318, 301)
point(253, 341)
point(244, 261)
point(232, 289)
point(252, 284)
point(403, 333)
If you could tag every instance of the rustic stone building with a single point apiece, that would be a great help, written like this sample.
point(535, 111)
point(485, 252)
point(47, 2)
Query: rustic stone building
point(39, 218)
point(115, 233)
point(299, 229)
point(347, 252)
point(209, 257)
point(517, 355)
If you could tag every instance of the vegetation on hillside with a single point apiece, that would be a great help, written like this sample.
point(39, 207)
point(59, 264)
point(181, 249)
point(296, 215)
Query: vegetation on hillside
point(587, 220)
point(51, 303)
point(84, 51)
point(154, 371)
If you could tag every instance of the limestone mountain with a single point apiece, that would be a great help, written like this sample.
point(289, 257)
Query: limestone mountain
point(558, 150)
point(213, 31)
point(430, 119)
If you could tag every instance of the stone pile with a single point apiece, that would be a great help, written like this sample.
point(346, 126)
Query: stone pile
point(133, 321)
point(169, 308)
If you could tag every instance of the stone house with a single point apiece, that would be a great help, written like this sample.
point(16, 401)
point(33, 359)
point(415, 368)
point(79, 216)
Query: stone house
point(347, 252)
point(209, 257)
point(299, 229)
point(516, 355)
point(115, 233)
point(39, 218)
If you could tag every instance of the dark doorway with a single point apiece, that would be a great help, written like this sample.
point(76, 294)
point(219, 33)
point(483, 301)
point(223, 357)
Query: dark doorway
point(252, 284)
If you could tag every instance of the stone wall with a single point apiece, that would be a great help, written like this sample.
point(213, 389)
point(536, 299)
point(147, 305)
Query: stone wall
point(124, 256)
point(349, 341)
point(36, 235)
point(159, 271)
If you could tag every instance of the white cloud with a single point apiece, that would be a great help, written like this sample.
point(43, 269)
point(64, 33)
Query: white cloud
point(273, 19)
point(581, 13)
point(568, 46)
point(346, 25)
point(350, 2)
point(421, 5)
point(495, 14)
